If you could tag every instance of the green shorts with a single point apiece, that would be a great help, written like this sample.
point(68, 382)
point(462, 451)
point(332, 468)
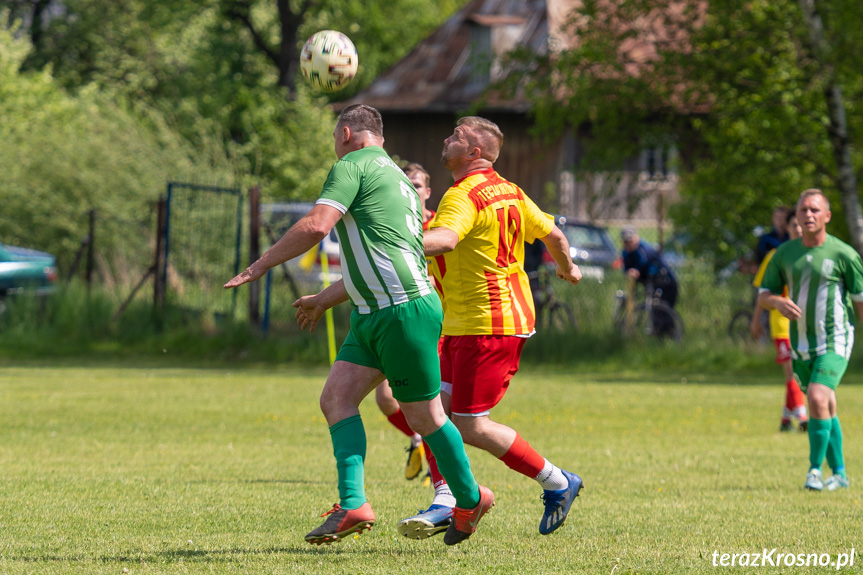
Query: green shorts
point(826, 369)
point(401, 341)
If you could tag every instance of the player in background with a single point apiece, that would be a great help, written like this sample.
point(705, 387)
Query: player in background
point(776, 236)
point(395, 323)
point(795, 401)
point(824, 277)
point(388, 405)
point(477, 240)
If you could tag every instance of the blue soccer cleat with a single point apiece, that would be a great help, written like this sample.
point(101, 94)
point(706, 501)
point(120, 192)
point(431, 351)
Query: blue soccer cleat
point(426, 523)
point(557, 503)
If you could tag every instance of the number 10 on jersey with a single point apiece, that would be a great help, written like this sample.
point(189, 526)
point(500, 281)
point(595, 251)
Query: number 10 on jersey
point(509, 219)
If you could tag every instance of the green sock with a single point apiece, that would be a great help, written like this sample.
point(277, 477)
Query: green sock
point(349, 447)
point(448, 448)
point(835, 457)
point(819, 438)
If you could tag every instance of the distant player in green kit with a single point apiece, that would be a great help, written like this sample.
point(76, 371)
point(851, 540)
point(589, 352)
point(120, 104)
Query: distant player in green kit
point(824, 276)
point(395, 324)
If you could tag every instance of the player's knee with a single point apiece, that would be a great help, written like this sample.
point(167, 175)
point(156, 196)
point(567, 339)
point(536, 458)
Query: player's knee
point(326, 403)
point(820, 398)
point(471, 434)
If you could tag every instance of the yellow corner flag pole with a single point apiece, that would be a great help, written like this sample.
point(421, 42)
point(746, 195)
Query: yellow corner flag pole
point(331, 334)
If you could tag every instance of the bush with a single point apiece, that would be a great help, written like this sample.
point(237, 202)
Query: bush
point(63, 155)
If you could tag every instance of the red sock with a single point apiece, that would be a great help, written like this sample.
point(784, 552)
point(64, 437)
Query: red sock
point(436, 477)
point(398, 420)
point(794, 398)
point(523, 458)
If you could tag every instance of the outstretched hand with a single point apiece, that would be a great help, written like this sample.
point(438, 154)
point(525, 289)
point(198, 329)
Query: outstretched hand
point(251, 274)
point(308, 312)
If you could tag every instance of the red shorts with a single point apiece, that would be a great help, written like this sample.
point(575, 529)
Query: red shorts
point(476, 370)
point(783, 350)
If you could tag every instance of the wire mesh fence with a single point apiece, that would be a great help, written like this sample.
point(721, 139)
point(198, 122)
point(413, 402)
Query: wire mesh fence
point(203, 249)
point(202, 242)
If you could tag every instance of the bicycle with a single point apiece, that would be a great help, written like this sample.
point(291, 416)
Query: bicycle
point(738, 327)
point(653, 317)
point(551, 313)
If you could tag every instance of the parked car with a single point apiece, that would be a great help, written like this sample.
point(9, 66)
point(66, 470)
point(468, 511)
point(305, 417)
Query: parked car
point(590, 247)
point(25, 271)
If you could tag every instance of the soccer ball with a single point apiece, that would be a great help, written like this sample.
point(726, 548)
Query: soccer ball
point(329, 60)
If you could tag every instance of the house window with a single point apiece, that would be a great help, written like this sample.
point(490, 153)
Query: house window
point(658, 161)
point(481, 56)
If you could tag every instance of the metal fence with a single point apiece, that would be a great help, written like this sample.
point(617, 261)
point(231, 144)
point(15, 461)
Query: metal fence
point(202, 237)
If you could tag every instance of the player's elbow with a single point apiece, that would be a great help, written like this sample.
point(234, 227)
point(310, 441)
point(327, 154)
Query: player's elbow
point(449, 242)
point(317, 228)
point(439, 241)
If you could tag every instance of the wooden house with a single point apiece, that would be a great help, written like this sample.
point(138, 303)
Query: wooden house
point(448, 75)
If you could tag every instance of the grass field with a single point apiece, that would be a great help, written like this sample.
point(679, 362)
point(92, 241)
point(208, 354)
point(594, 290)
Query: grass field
point(168, 470)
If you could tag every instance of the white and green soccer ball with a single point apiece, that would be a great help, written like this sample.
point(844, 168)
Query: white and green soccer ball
point(329, 60)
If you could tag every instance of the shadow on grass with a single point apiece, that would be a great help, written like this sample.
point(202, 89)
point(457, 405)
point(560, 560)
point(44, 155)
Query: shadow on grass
point(214, 555)
point(253, 481)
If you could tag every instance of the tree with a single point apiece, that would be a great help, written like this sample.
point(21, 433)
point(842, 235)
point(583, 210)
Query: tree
point(63, 154)
point(734, 86)
point(285, 57)
point(821, 50)
point(229, 66)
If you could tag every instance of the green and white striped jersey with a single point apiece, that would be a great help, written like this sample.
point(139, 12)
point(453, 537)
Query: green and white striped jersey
point(822, 281)
point(380, 232)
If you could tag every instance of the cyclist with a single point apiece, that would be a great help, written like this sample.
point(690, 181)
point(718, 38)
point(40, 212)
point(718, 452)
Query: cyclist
point(643, 263)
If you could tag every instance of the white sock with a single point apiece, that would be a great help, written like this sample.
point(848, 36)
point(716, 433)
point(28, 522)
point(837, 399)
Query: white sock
point(443, 496)
point(800, 412)
point(551, 477)
point(416, 440)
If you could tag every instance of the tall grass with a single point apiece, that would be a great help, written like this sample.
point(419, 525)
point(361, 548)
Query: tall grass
point(78, 321)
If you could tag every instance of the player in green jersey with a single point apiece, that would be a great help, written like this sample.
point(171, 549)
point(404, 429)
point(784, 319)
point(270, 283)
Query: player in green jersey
point(395, 324)
point(824, 277)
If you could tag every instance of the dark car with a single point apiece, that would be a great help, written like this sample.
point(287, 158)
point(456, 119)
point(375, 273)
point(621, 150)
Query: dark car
point(25, 271)
point(590, 247)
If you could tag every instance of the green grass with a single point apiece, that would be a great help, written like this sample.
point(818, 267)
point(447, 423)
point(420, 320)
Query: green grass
point(169, 470)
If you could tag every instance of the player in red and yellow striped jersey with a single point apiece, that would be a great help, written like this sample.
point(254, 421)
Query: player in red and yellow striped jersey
point(388, 405)
point(477, 240)
point(795, 401)
point(490, 292)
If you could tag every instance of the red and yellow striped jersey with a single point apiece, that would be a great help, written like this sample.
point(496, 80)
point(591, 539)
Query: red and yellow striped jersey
point(482, 282)
point(779, 325)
